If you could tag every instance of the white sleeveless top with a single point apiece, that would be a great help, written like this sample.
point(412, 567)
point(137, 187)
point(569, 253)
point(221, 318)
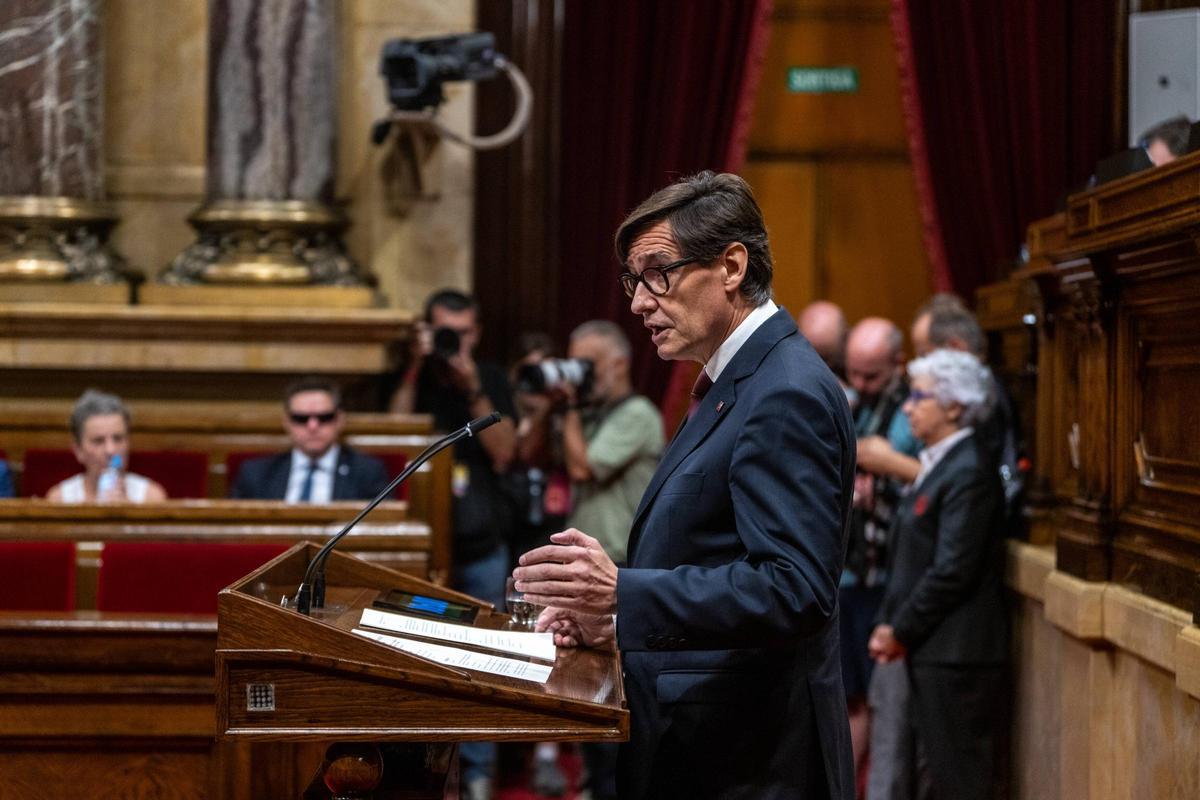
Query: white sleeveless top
point(135, 488)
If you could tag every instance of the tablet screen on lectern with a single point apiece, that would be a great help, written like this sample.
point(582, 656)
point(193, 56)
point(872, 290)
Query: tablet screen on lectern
point(408, 603)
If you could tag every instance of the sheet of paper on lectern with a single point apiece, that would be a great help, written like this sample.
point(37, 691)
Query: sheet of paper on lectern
point(519, 643)
point(463, 659)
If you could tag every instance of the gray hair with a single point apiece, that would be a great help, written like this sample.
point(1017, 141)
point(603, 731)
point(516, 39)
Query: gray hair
point(607, 330)
point(93, 403)
point(947, 324)
point(958, 378)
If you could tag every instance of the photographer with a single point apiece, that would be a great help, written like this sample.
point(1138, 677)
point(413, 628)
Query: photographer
point(443, 378)
point(611, 437)
point(611, 440)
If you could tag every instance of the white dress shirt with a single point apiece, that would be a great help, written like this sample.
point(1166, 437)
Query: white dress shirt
point(322, 480)
point(728, 349)
point(930, 456)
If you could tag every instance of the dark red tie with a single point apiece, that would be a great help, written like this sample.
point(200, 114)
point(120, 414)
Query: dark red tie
point(701, 387)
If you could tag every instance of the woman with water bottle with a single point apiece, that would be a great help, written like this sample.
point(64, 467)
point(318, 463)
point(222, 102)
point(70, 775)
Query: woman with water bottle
point(100, 428)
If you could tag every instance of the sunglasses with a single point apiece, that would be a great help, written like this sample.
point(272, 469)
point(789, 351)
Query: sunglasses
point(323, 418)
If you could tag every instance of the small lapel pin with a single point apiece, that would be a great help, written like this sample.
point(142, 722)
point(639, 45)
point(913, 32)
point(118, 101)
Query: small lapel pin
point(344, 469)
point(720, 406)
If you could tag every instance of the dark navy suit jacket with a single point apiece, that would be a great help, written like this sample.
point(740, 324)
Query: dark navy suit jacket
point(727, 613)
point(945, 597)
point(358, 477)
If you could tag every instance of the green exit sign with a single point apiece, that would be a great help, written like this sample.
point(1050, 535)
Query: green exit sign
point(822, 80)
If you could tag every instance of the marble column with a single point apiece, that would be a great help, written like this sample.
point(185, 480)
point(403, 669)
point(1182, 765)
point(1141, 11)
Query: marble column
point(268, 216)
point(54, 224)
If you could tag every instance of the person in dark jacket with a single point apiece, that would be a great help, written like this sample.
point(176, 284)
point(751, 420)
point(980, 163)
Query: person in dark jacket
point(941, 641)
point(318, 468)
point(727, 613)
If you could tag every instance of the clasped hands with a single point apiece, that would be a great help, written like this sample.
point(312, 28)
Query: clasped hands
point(884, 647)
point(577, 582)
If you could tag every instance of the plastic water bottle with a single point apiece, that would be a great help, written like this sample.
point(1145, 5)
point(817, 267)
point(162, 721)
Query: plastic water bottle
point(106, 486)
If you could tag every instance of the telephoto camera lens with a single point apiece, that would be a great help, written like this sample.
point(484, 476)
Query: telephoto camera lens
point(446, 343)
point(549, 374)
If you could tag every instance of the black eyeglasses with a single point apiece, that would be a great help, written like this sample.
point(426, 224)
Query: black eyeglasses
point(323, 418)
point(655, 278)
point(916, 395)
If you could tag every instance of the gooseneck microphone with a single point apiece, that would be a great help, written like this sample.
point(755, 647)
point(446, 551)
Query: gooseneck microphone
point(311, 592)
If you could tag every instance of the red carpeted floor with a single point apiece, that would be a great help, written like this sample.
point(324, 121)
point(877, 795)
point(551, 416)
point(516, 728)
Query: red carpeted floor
point(515, 773)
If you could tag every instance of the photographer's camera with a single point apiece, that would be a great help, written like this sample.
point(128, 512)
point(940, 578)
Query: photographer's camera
point(550, 374)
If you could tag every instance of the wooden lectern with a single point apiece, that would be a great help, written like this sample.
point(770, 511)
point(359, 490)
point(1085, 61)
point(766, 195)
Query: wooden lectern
point(284, 676)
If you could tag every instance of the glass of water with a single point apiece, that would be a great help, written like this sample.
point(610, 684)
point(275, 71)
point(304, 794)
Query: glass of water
point(522, 613)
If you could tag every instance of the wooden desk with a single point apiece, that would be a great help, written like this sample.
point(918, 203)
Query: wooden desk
point(1113, 284)
point(122, 705)
point(385, 537)
point(217, 431)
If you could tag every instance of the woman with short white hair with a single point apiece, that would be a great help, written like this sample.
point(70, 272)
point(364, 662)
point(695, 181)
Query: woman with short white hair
point(943, 611)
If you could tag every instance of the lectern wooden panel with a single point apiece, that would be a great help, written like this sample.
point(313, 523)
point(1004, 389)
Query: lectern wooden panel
point(327, 683)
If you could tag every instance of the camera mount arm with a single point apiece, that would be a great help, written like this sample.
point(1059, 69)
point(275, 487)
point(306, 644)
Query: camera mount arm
point(515, 127)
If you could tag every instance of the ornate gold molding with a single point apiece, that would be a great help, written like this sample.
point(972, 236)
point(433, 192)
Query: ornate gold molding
point(57, 239)
point(265, 242)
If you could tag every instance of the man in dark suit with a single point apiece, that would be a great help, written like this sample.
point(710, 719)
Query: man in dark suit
point(317, 469)
point(726, 616)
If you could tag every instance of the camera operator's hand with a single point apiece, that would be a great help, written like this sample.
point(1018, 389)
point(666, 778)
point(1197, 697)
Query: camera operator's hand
point(421, 346)
point(464, 374)
point(565, 396)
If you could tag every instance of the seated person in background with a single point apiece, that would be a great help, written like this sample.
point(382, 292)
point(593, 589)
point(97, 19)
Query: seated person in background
point(317, 469)
point(1167, 141)
point(100, 428)
point(941, 641)
point(6, 487)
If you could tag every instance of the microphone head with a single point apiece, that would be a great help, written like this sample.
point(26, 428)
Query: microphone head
point(476, 425)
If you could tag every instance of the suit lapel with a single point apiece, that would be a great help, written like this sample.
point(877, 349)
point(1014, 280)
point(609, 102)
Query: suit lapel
point(341, 476)
point(716, 406)
point(277, 480)
point(689, 437)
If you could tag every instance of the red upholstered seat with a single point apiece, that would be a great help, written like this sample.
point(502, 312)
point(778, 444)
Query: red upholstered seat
point(395, 463)
point(43, 468)
point(182, 473)
point(234, 461)
point(37, 576)
point(173, 577)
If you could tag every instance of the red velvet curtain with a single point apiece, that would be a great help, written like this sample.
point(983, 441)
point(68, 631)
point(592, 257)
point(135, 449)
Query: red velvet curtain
point(1009, 105)
point(650, 92)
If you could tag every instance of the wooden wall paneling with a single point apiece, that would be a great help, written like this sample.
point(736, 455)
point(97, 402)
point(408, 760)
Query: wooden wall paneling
point(1085, 531)
point(517, 263)
point(1119, 277)
point(787, 193)
point(831, 170)
point(873, 261)
point(1156, 458)
point(828, 35)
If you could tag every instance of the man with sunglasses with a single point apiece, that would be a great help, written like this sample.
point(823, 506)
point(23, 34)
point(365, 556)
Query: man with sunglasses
point(726, 615)
point(318, 469)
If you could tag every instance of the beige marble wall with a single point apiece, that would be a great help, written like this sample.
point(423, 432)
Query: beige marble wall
point(155, 63)
point(155, 94)
point(1106, 705)
point(430, 246)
